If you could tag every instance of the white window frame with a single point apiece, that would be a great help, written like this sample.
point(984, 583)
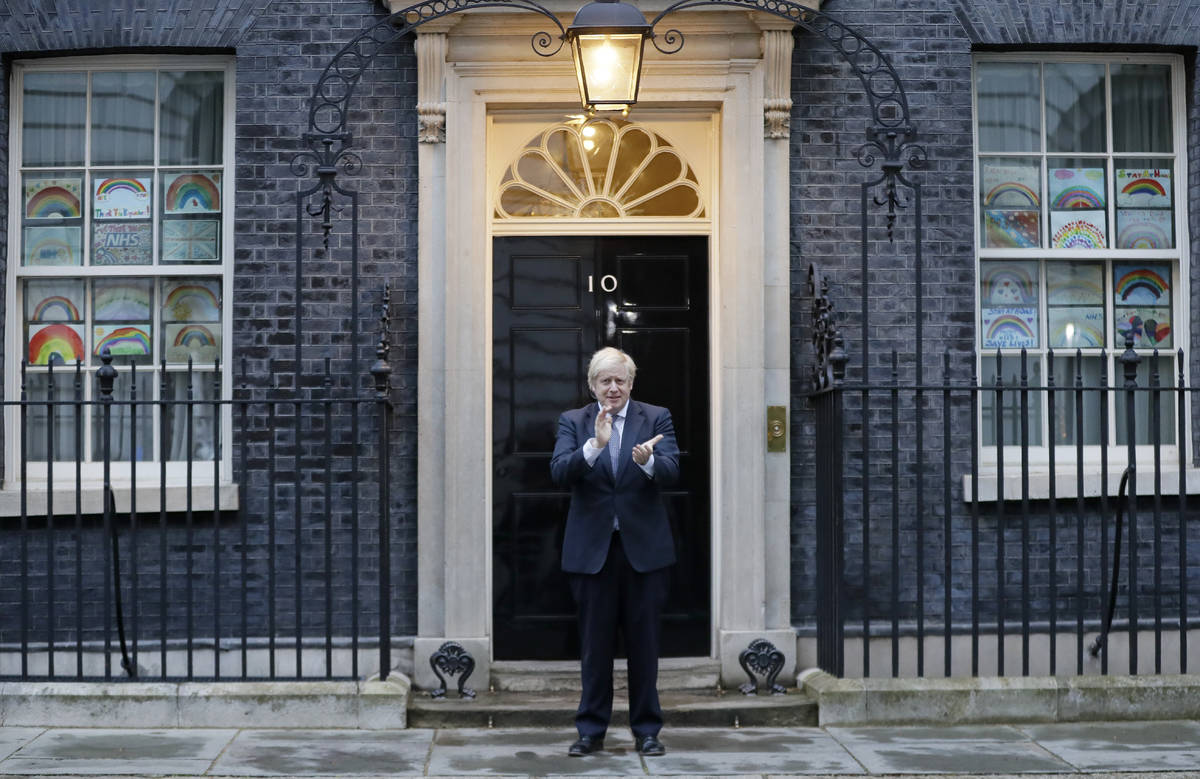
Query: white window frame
point(148, 472)
point(1065, 465)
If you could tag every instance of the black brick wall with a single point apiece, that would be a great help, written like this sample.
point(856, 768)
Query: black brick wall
point(280, 50)
point(930, 42)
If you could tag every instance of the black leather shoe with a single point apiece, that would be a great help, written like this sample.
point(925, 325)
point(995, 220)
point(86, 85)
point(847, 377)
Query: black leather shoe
point(649, 746)
point(585, 745)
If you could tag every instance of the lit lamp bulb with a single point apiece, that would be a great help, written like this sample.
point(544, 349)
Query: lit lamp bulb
point(606, 40)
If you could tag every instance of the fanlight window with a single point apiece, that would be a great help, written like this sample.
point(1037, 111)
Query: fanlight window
point(601, 168)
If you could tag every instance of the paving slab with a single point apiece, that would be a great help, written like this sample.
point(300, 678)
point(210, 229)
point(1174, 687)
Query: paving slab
point(12, 739)
point(1122, 746)
point(326, 752)
point(752, 751)
point(531, 752)
point(91, 751)
point(965, 749)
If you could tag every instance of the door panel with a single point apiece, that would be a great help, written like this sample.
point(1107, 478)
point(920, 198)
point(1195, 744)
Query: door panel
point(556, 300)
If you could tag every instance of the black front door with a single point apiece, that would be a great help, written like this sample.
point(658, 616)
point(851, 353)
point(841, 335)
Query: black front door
point(555, 301)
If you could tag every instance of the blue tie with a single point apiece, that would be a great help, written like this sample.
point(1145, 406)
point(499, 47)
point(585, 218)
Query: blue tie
point(614, 445)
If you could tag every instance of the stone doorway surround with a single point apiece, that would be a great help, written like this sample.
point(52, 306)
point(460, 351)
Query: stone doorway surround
point(734, 62)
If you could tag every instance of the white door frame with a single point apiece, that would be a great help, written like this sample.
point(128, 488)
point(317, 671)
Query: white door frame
point(488, 66)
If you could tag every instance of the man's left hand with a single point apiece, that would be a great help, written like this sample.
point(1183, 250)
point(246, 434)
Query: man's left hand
point(642, 452)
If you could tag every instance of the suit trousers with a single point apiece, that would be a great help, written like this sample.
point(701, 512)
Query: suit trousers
point(619, 597)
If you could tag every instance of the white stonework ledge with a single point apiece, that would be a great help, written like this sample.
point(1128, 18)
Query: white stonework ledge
point(368, 705)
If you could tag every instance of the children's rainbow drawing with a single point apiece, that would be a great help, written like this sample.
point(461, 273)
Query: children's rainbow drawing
point(1077, 229)
point(191, 302)
point(1141, 285)
point(121, 198)
point(1010, 186)
point(1143, 188)
point(126, 340)
point(52, 246)
point(1076, 188)
point(195, 341)
point(1074, 283)
point(52, 199)
point(1149, 327)
point(194, 193)
point(1076, 328)
point(1010, 229)
point(1009, 283)
point(55, 308)
point(1144, 229)
point(55, 344)
point(123, 300)
point(1010, 327)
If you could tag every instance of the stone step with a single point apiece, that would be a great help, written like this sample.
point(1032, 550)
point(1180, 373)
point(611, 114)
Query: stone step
point(550, 676)
point(505, 709)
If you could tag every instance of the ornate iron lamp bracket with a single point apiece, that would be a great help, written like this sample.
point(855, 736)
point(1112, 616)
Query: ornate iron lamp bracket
point(828, 345)
point(891, 134)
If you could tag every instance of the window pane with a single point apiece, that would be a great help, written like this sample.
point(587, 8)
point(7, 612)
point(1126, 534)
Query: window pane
point(1141, 96)
point(1076, 410)
point(191, 217)
point(1075, 108)
point(131, 430)
point(1142, 304)
point(1146, 403)
point(1145, 215)
point(57, 386)
point(1078, 197)
point(1011, 400)
point(121, 316)
point(1008, 292)
point(123, 118)
point(1075, 304)
point(1011, 196)
point(193, 107)
point(1009, 96)
point(192, 433)
point(53, 114)
point(191, 316)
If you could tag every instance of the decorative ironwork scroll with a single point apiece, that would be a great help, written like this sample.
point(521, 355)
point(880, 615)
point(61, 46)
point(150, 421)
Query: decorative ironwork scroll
point(761, 658)
point(829, 369)
point(452, 660)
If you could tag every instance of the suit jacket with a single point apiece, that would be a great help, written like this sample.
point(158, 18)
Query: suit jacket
point(598, 495)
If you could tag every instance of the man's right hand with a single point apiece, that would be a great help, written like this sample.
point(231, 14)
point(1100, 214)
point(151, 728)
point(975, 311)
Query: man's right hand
point(603, 428)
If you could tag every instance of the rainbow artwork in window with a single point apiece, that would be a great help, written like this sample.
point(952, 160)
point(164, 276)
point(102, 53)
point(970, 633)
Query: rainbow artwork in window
point(121, 300)
point(197, 342)
point(1010, 186)
point(1143, 188)
point(1010, 229)
point(122, 340)
point(1078, 229)
point(191, 301)
point(1077, 188)
point(1141, 284)
point(54, 301)
point(1009, 283)
point(121, 198)
point(56, 344)
point(1150, 328)
point(1010, 327)
point(52, 198)
point(52, 246)
point(193, 193)
point(1144, 229)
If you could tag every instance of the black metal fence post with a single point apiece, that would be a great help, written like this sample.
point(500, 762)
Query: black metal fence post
point(105, 376)
point(382, 372)
point(1130, 360)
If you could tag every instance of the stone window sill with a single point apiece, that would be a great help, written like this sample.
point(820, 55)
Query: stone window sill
point(1066, 482)
point(91, 498)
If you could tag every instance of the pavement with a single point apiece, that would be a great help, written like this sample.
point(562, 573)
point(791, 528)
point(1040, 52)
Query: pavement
point(1125, 749)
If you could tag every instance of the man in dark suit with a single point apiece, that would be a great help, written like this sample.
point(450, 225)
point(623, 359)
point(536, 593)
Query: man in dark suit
point(617, 544)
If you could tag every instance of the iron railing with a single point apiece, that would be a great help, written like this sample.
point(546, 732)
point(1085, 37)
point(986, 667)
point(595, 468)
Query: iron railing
point(999, 536)
point(266, 558)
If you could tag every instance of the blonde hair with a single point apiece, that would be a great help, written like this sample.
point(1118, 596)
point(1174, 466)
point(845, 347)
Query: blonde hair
point(610, 357)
